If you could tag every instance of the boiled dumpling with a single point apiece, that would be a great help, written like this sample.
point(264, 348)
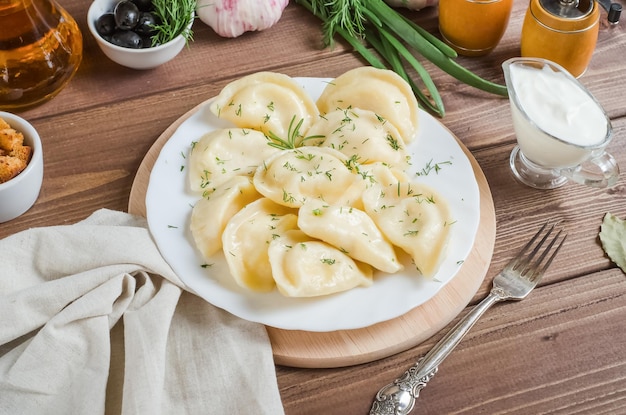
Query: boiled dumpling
point(210, 214)
point(382, 174)
point(247, 237)
point(305, 267)
point(224, 153)
point(350, 230)
point(290, 177)
point(379, 90)
point(363, 135)
point(413, 217)
point(267, 102)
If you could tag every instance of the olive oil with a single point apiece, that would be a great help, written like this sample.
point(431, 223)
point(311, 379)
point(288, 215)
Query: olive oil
point(41, 49)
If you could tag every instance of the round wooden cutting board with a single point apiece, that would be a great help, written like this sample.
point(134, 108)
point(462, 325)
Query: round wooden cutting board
point(351, 347)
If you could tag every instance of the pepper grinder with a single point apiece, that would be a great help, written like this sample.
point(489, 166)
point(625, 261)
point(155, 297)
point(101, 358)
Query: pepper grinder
point(565, 31)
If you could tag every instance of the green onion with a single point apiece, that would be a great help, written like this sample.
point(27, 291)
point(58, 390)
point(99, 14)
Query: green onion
point(386, 49)
point(394, 37)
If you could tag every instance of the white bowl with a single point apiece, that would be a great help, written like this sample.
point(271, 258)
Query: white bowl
point(146, 58)
point(20, 193)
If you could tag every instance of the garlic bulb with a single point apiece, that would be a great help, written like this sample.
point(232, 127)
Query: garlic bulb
point(231, 18)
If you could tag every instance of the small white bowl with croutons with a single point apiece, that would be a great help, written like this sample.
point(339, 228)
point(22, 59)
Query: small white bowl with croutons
point(126, 30)
point(21, 166)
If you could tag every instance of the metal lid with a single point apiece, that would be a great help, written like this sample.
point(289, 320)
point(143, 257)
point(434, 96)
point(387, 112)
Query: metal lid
point(569, 9)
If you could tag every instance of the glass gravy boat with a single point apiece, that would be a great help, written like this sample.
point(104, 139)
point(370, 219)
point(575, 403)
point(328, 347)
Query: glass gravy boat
point(561, 129)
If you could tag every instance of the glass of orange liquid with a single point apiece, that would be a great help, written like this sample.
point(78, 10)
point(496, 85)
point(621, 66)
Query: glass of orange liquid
point(473, 27)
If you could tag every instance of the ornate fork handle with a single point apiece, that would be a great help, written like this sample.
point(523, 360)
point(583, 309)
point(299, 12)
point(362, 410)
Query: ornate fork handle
point(398, 397)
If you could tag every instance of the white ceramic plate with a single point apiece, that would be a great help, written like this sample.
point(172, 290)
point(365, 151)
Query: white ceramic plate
point(169, 203)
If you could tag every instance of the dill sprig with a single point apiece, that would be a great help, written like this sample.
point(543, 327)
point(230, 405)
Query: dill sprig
point(175, 17)
point(344, 14)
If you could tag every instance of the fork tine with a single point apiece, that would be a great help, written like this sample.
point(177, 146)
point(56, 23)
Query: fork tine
point(537, 248)
point(547, 264)
point(523, 263)
point(534, 270)
point(521, 255)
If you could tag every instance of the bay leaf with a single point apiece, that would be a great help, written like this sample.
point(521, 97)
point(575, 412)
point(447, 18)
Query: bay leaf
point(613, 238)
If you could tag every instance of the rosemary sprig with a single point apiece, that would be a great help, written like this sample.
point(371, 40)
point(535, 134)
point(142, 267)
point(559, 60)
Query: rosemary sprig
point(175, 16)
point(294, 138)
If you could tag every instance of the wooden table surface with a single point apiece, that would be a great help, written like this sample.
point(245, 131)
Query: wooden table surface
point(561, 351)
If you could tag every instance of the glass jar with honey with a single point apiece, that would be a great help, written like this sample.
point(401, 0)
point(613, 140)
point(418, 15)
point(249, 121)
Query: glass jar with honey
point(41, 49)
point(473, 27)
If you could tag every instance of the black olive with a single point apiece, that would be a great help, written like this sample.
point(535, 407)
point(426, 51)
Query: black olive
point(105, 25)
point(147, 42)
point(127, 39)
point(126, 15)
point(145, 26)
point(143, 5)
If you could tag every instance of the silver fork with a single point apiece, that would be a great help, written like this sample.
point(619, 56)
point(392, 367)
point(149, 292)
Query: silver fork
point(515, 281)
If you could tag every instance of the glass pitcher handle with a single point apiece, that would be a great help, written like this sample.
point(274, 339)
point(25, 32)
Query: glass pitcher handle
point(600, 171)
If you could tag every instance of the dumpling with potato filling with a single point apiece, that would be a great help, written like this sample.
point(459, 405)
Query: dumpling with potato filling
point(290, 177)
point(363, 135)
point(224, 153)
point(381, 91)
point(247, 237)
point(210, 214)
point(351, 230)
point(414, 218)
point(307, 267)
point(267, 102)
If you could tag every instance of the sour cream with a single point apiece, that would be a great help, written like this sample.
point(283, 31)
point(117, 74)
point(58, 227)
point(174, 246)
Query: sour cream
point(563, 124)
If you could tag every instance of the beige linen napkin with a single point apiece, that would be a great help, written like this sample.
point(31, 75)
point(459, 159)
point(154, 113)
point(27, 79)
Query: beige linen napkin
point(93, 321)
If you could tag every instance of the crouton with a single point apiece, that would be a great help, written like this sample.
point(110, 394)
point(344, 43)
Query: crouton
point(14, 155)
point(10, 139)
point(22, 152)
point(10, 167)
